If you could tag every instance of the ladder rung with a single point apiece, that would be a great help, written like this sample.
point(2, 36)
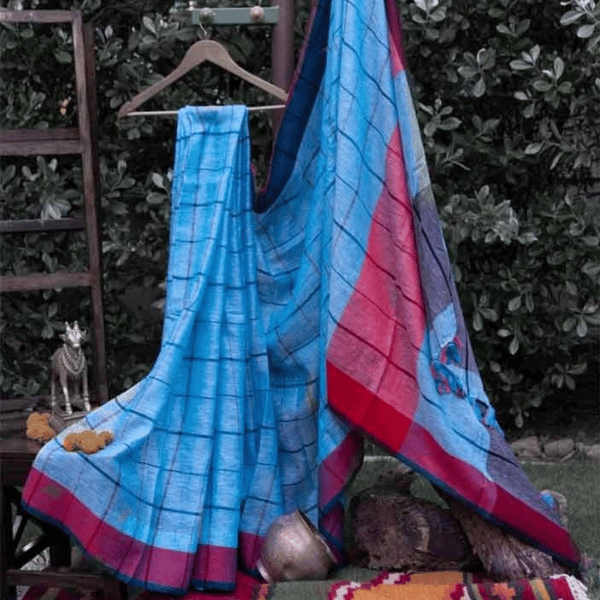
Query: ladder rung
point(38, 16)
point(44, 281)
point(60, 140)
point(60, 579)
point(29, 225)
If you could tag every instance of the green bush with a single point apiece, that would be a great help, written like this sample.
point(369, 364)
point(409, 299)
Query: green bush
point(507, 94)
point(508, 98)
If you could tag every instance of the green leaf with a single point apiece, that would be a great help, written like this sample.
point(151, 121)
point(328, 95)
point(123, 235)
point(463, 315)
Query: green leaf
point(489, 313)
point(64, 58)
point(570, 17)
point(450, 124)
point(581, 327)
point(578, 369)
point(533, 148)
point(569, 324)
point(542, 85)
point(593, 43)
point(555, 160)
point(527, 238)
point(118, 208)
point(514, 303)
point(559, 67)
point(523, 26)
point(585, 31)
point(593, 319)
point(513, 347)
point(155, 198)
point(158, 180)
point(529, 110)
point(519, 422)
point(571, 288)
point(479, 88)
point(28, 174)
point(520, 65)
point(477, 322)
point(468, 72)
point(149, 25)
point(438, 15)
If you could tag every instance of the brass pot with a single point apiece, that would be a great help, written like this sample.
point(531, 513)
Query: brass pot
point(293, 549)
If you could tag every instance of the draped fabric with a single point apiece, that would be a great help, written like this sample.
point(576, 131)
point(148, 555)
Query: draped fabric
point(220, 438)
point(295, 321)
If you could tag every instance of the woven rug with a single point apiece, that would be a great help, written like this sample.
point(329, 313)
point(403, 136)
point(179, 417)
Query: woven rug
point(457, 586)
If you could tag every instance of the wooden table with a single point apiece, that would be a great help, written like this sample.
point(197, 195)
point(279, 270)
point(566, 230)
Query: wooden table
point(16, 457)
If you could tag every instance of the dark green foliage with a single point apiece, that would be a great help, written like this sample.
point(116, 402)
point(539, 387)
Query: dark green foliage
point(508, 98)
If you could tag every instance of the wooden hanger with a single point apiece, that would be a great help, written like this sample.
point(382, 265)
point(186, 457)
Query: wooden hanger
point(204, 50)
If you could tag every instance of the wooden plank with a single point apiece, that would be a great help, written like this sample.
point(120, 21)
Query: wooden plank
point(14, 423)
point(37, 16)
point(44, 281)
point(17, 449)
point(60, 140)
point(54, 579)
point(32, 225)
point(22, 404)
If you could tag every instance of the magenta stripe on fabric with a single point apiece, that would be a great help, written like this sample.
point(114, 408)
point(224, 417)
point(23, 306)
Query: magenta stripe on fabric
point(163, 570)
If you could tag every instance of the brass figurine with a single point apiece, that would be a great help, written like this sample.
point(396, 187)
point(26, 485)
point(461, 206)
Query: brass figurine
point(69, 368)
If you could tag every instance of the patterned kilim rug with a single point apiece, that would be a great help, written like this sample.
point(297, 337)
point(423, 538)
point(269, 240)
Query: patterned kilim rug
point(457, 586)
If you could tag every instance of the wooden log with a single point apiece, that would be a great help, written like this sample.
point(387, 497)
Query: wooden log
point(504, 557)
point(396, 531)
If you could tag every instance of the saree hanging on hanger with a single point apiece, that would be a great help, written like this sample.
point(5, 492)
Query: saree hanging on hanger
point(295, 321)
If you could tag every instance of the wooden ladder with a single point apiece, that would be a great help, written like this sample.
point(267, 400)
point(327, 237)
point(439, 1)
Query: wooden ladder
point(78, 140)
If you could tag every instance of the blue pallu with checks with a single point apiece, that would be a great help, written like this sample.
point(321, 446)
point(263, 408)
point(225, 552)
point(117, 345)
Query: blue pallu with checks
point(206, 453)
point(295, 321)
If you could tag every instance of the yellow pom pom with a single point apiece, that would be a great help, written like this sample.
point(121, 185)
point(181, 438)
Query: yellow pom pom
point(71, 442)
point(87, 441)
point(105, 438)
point(46, 433)
point(40, 431)
point(34, 419)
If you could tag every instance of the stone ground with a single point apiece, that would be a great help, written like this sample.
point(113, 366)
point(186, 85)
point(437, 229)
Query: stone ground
point(542, 448)
point(569, 432)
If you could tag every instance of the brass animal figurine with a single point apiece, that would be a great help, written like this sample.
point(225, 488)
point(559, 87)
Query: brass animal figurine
point(69, 368)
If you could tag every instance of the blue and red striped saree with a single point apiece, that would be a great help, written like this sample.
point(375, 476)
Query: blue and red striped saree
point(296, 320)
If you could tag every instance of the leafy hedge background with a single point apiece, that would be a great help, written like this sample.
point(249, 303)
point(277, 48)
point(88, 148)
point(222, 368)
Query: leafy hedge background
point(508, 98)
